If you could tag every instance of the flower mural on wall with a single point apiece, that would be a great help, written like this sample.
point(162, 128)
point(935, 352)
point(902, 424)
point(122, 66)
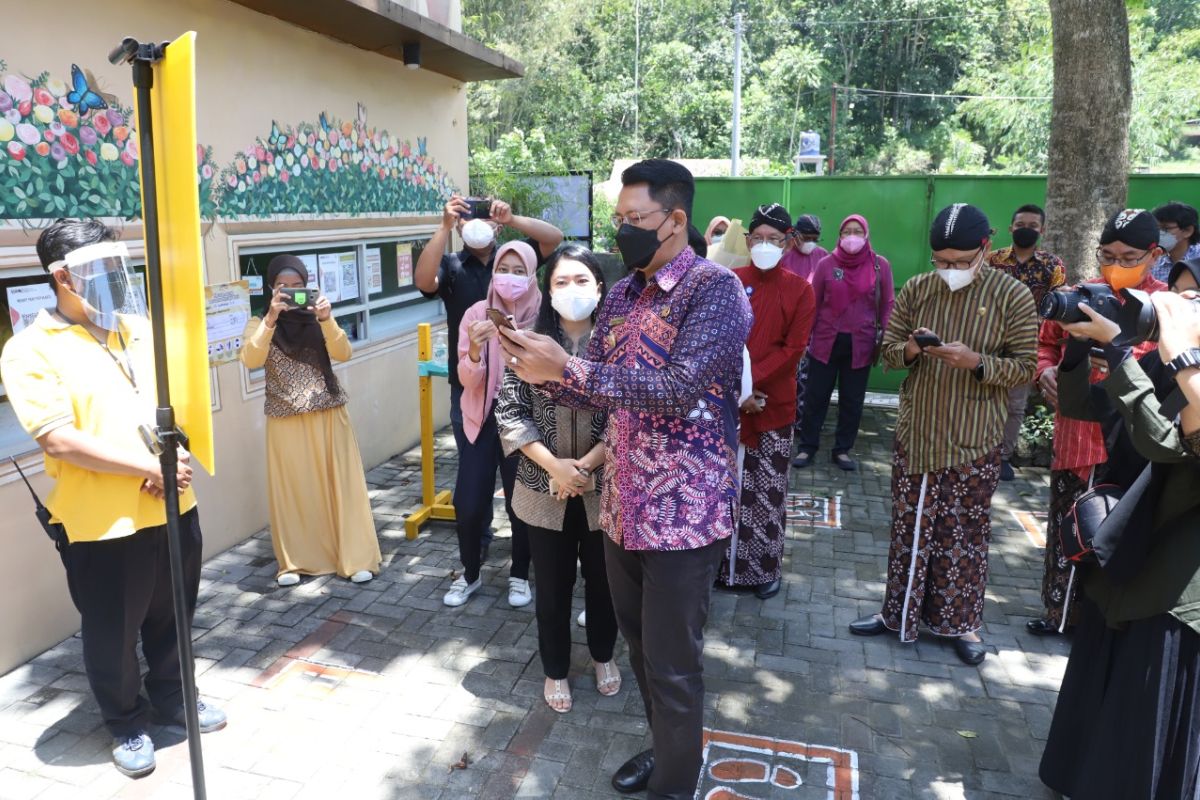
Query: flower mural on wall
point(67, 150)
point(64, 151)
point(332, 167)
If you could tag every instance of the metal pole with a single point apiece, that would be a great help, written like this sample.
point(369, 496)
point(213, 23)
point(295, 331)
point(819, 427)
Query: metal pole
point(737, 94)
point(637, 59)
point(832, 124)
point(167, 433)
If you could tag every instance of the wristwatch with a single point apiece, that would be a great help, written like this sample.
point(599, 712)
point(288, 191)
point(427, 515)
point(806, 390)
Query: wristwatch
point(1188, 359)
point(978, 371)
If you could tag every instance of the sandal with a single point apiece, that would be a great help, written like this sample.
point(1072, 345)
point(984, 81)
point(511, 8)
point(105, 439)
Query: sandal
point(561, 695)
point(608, 678)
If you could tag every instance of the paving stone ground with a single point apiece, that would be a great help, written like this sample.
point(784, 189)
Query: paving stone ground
point(378, 692)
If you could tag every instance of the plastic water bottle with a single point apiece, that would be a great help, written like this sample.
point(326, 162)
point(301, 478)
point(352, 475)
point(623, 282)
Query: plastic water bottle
point(441, 348)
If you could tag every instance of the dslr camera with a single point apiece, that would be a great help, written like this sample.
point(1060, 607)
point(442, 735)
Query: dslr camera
point(1063, 305)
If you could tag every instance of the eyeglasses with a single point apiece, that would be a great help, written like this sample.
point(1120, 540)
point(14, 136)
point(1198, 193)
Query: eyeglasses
point(1128, 261)
point(635, 218)
point(778, 241)
point(940, 264)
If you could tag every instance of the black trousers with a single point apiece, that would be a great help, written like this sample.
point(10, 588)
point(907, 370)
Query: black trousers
point(852, 391)
point(473, 493)
point(122, 587)
point(554, 556)
point(661, 599)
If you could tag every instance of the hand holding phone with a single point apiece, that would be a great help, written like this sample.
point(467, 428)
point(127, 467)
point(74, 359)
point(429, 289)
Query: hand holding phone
point(500, 319)
point(479, 208)
point(299, 298)
point(927, 339)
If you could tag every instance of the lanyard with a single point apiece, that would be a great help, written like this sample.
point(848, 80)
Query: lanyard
point(124, 364)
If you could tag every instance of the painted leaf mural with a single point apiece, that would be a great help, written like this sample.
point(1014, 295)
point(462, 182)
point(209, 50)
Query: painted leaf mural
point(68, 150)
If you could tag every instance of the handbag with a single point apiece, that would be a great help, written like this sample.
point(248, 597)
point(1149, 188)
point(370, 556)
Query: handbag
point(877, 348)
point(1078, 531)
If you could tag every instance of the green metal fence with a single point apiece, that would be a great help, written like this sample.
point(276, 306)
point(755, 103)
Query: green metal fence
point(901, 208)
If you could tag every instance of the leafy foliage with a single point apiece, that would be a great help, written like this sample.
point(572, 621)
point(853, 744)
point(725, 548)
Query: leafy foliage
point(609, 79)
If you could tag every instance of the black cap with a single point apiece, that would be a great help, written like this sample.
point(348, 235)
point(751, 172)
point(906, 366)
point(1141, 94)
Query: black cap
point(1191, 265)
point(772, 214)
point(959, 227)
point(808, 223)
point(1135, 227)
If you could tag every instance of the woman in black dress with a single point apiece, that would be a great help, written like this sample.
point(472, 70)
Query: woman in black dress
point(1127, 722)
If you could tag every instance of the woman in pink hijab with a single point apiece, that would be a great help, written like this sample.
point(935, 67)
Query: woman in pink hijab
point(854, 294)
point(514, 293)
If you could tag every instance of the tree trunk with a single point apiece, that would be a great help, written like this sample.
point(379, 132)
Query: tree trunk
point(1089, 127)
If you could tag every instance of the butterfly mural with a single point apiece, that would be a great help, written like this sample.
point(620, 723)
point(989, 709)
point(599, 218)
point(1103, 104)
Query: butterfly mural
point(82, 95)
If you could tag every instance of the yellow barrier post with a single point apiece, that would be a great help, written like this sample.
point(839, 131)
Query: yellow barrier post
point(434, 505)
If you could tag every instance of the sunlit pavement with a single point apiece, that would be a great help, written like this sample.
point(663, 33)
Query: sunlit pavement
point(378, 691)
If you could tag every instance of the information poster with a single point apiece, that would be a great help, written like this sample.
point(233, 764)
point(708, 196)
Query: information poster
point(374, 267)
point(348, 264)
point(310, 264)
point(330, 265)
point(24, 303)
point(227, 310)
point(404, 265)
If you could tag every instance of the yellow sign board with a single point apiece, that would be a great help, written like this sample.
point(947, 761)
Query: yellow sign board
point(173, 106)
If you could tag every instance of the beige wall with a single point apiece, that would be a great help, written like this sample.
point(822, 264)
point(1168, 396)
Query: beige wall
point(252, 69)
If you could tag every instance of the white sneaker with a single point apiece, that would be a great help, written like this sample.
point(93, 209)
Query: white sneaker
point(288, 579)
point(519, 593)
point(362, 576)
point(581, 620)
point(460, 590)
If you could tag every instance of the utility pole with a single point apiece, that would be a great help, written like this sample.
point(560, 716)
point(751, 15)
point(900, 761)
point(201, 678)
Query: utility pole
point(832, 124)
point(737, 94)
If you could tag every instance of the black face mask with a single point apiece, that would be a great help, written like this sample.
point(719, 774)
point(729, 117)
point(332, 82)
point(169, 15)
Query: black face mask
point(1025, 237)
point(638, 245)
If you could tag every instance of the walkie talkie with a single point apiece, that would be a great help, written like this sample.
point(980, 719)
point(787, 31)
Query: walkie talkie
point(53, 530)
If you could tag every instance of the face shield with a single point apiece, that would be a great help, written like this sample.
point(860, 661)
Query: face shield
point(100, 274)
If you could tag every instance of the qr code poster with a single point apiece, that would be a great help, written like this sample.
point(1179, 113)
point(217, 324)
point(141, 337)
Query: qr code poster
point(818, 512)
point(740, 766)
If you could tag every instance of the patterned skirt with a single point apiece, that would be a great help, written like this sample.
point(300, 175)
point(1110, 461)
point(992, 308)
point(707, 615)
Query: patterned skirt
point(937, 564)
point(755, 553)
point(1060, 580)
point(801, 380)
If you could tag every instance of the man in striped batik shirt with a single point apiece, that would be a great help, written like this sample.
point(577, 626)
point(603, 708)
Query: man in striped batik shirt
point(967, 333)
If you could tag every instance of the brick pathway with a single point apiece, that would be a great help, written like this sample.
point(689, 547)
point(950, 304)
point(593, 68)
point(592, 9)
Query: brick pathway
point(379, 692)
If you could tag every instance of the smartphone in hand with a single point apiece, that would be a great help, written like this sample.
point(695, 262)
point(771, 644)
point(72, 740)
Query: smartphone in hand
point(927, 340)
point(480, 208)
point(500, 319)
point(299, 298)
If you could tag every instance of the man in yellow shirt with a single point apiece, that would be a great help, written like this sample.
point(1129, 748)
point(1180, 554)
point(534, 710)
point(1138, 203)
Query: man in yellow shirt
point(81, 381)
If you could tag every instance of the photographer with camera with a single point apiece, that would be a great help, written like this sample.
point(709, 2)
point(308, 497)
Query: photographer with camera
point(1128, 713)
point(462, 279)
point(967, 334)
point(1128, 248)
point(321, 520)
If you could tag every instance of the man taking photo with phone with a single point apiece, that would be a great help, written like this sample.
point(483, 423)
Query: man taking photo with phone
point(461, 280)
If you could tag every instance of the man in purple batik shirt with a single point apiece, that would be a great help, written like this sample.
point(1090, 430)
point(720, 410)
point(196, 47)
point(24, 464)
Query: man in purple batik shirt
point(665, 362)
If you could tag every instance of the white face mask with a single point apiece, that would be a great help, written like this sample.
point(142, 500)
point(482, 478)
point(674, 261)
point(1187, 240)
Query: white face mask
point(807, 247)
point(716, 239)
point(766, 255)
point(958, 278)
point(477, 234)
point(573, 304)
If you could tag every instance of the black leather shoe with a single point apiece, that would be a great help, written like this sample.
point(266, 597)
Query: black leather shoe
point(844, 462)
point(802, 460)
point(868, 626)
point(766, 590)
point(1041, 627)
point(971, 653)
point(1006, 471)
point(634, 774)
